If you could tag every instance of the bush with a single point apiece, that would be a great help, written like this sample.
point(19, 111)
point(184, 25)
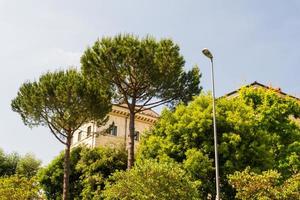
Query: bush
point(89, 170)
point(267, 185)
point(151, 180)
point(18, 188)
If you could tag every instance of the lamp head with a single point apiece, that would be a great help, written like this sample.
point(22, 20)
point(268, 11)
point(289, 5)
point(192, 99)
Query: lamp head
point(207, 53)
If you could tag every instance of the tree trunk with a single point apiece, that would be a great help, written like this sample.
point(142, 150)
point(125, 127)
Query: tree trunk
point(130, 146)
point(66, 170)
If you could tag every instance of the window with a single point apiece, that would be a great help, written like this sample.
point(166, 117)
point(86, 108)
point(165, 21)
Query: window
point(113, 130)
point(89, 130)
point(137, 136)
point(79, 136)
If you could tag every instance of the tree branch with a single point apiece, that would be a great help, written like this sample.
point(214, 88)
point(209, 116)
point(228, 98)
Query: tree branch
point(156, 104)
point(50, 123)
point(149, 99)
point(79, 125)
point(53, 132)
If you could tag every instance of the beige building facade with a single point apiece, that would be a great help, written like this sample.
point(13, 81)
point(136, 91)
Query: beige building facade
point(115, 131)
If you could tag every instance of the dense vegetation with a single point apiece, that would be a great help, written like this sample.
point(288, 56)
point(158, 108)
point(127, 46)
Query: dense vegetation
point(17, 187)
point(152, 180)
point(268, 185)
point(90, 168)
point(256, 129)
point(258, 144)
point(16, 164)
point(17, 176)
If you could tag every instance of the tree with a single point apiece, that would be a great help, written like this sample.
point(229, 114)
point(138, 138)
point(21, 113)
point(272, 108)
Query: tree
point(8, 164)
point(50, 176)
point(256, 129)
point(63, 101)
point(143, 73)
point(268, 185)
point(18, 188)
point(28, 166)
point(152, 180)
point(13, 163)
point(96, 165)
point(89, 170)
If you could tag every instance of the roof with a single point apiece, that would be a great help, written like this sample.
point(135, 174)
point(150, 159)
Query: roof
point(255, 83)
point(147, 112)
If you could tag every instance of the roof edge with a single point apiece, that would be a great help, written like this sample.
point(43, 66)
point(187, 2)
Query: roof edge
point(264, 86)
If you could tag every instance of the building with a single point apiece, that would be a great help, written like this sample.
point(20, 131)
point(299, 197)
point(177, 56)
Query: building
point(116, 130)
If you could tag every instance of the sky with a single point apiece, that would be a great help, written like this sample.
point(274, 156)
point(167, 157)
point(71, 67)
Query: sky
point(251, 40)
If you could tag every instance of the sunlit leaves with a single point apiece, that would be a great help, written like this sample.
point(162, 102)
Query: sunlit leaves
point(268, 185)
point(18, 188)
point(256, 128)
point(152, 180)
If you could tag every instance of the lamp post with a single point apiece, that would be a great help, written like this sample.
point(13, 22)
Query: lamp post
point(208, 54)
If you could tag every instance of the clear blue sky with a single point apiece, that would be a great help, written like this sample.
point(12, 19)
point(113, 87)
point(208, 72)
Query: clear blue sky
point(251, 40)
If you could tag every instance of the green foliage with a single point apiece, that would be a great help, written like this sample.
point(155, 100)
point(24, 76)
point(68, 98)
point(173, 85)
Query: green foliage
point(51, 176)
point(13, 163)
point(152, 180)
point(18, 188)
point(28, 165)
point(61, 100)
point(89, 170)
point(265, 186)
point(96, 165)
point(8, 163)
point(140, 68)
point(198, 166)
point(255, 128)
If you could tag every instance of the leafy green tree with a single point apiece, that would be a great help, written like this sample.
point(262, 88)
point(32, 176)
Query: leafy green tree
point(62, 101)
point(28, 165)
point(51, 176)
point(96, 165)
point(255, 128)
point(152, 180)
point(18, 188)
point(143, 73)
point(89, 170)
point(13, 163)
point(8, 163)
point(199, 167)
point(265, 186)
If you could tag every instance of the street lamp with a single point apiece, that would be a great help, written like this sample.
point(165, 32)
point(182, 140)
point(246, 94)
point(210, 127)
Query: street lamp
point(208, 54)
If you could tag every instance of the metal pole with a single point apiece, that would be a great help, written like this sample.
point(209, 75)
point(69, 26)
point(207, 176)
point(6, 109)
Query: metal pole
point(215, 131)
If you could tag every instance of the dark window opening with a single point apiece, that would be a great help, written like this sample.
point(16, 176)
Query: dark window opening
point(113, 130)
point(89, 131)
point(79, 136)
point(137, 136)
